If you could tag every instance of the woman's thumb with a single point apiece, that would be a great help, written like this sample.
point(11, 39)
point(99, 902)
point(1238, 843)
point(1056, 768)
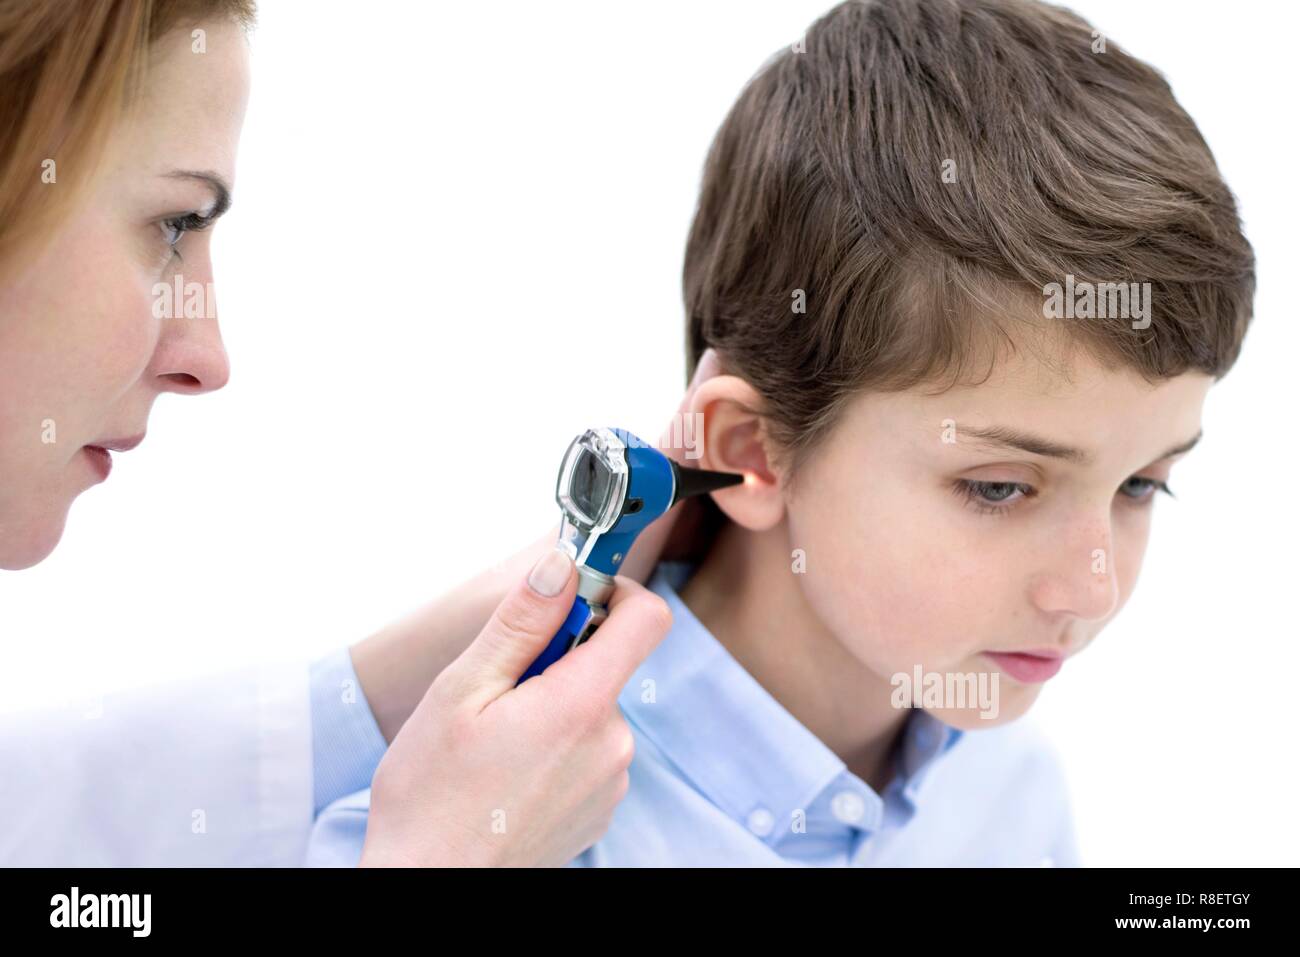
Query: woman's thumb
point(518, 631)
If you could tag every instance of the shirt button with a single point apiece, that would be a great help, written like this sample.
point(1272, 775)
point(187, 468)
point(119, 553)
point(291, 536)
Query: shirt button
point(848, 807)
point(760, 821)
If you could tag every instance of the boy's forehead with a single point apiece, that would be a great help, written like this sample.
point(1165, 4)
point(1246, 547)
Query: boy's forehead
point(1078, 403)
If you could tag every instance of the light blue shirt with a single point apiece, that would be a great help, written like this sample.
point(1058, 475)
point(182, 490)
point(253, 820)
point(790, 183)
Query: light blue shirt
point(346, 743)
point(725, 776)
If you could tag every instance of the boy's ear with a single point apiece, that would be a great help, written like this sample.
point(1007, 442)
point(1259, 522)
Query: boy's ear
point(734, 438)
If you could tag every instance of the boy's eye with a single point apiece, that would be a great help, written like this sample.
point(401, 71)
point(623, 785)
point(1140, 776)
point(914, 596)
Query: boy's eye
point(1143, 489)
point(995, 498)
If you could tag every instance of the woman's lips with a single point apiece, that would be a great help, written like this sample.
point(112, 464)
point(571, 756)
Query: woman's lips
point(120, 445)
point(99, 453)
point(1027, 668)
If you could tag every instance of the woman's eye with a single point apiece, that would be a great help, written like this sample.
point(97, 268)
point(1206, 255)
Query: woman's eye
point(175, 228)
point(172, 230)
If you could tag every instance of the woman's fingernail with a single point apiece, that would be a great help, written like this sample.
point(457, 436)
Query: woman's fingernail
point(551, 573)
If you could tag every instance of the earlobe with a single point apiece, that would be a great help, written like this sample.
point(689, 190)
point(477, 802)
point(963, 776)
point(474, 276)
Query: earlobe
point(734, 438)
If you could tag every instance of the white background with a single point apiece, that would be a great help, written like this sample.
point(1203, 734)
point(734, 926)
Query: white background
point(443, 211)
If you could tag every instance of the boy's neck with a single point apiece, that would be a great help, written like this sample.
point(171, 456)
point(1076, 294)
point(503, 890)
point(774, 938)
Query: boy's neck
point(747, 595)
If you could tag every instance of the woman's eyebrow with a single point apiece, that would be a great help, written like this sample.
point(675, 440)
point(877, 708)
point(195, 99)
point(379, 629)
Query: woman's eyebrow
point(220, 189)
point(1002, 436)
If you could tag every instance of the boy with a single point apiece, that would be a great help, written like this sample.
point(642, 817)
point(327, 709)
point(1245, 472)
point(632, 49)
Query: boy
point(969, 271)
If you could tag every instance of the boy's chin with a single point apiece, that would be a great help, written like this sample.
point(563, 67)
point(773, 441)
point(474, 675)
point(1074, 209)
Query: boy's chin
point(1010, 702)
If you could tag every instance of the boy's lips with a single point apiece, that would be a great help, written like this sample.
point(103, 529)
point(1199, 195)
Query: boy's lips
point(1030, 667)
point(1035, 653)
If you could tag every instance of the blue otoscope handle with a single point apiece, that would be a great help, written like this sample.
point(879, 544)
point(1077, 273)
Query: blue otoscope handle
point(580, 616)
point(650, 489)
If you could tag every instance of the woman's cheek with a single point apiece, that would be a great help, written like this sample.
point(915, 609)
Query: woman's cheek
point(104, 295)
point(125, 336)
point(138, 332)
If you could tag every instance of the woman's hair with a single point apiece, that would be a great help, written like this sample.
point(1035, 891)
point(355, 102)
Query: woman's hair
point(69, 72)
point(916, 173)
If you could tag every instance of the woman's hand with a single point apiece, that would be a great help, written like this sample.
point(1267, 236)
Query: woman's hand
point(396, 665)
point(487, 774)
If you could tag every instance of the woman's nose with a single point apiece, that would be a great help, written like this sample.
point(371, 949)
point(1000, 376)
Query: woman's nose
point(190, 358)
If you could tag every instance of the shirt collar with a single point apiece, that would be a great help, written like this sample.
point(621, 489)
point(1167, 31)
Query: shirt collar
point(735, 742)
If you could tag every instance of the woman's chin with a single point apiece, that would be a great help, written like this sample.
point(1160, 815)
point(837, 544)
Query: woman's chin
point(29, 540)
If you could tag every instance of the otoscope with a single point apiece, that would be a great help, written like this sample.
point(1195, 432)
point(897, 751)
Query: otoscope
point(610, 487)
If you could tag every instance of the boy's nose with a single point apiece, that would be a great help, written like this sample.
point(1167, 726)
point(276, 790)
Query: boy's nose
point(1079, 578)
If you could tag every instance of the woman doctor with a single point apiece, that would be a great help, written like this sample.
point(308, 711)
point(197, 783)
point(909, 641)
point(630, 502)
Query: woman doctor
point(117, 154)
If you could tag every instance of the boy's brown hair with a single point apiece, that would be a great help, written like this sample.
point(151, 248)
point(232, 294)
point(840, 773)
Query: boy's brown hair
point(1064, 157)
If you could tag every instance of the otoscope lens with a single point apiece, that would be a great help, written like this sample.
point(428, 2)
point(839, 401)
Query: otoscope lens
point(591, 484)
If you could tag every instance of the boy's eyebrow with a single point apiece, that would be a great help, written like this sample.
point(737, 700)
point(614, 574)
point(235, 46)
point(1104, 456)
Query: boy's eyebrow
point(219, 187)
point(1006, 437)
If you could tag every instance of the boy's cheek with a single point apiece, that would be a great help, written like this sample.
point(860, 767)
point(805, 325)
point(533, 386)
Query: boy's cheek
point(893, 613)
point(891, 584)
point(1127, 568)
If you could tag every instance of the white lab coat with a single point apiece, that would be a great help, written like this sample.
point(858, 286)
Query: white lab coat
point(216, 771)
